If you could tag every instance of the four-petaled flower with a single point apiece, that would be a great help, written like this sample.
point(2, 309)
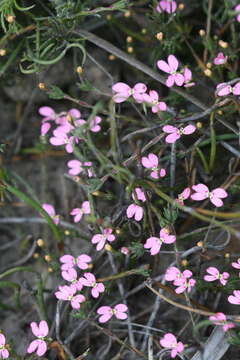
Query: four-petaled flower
point(220, 319)
point(220, 59)
point(76, 167)
point(4, 353)
point(68, 261)
point(68, 293)
point(215, 196)
point(135, 211)
point(123, 92)
point(182, 280)
point(151, 162)
point(183, 196)
point(94, 124)
point(79, 212)
point(176, 133)
point(215, 275)
point(235, 298)
point(169, 341)
point(224, 89)
point(90, 280)
point(40, 331)
point(51, 212)
point(100, 239)
point(153, 99)
point(169, 6)
point(107, 312)
point(155, 243)
point(171, 67)
point(138, 194)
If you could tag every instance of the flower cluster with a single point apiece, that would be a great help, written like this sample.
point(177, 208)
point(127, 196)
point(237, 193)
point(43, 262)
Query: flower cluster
point(154, 243)
point(169, 341)
point(182, 280)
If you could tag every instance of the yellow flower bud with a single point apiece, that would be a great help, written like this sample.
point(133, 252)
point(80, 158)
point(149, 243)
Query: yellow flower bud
point(79, 69)
point(200, 244)
point(199, 124)
point(3, 52)
point(36, 255)
point(48, 258)
point(112, 57)
point(209, 65)
point(50, 269)
point(130, 49)
point(42, 86)
point(108, 247)
point(223, 44)
point(202, 32)
point(90, 266)
point(10, 19)
point(184, 262)
point(96, 193)
point(127, 14)
point(159, 36)
point(67, 232)
point(227, 255)
point(118, 231)
point(181, 6)
point(220, 112)
point(109, 17)
point(129, 39)
point(144, 31)
point(208, 72)
point(41, 242)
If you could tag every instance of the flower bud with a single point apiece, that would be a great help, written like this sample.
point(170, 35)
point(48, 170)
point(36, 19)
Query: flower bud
point(42, 86)
point(202, 32)
point(48, 258)
point(79, 69)
point(3, 52)
point(159, 36)
point(223, 44)
point(108, 247)
point(10, 19)
point(112, 57)
point(41, 242)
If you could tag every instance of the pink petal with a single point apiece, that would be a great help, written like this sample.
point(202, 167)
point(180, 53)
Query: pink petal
point(140, 88)
point(74, 113)
point(42, 347)
point(121, 315)
point(95, 292)
point(86, 207)
point(220, 193)
point(119, 98)
point(201, 188)
point(162, 106)
point(170, 81)
point(4, 353)
point(162, 65)
point(45, 128)
point(213, 271)
point(138, 213)
point(131, 210)
point(168, 340)
point(90, 277)
point(189, 129)
point(234, 300)
point(223, 90)
point(104, 310)
point(49, 209)
point(170, 129)
point(121, 87)
point(104, 318)
point(171, 139)
point(46, 111)
point(121, 307)
point(179, 79)
point(173, 62)
point(236, 89)
point(198, 196)
point(171, 7)
point(216, 201)
point(32, 347)
point(2, 339)
point(35, 328)
point(43, 328)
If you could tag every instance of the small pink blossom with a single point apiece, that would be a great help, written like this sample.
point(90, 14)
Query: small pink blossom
point(4, 353)
point(125, 250)
point(139, 195)
point(176, 133)
point(40, 331)
point(224, 89)
point(169, 341)
point(76, 167)
point(236, 265)
point(107, 312)
point(79, 212)
point(215, 275)
point(173, 273)
point(94, 125)
point(153, 100)
point(235, 298)
point(51, 212)
point(237, 9)
point(215, 196)
point(90, 280)
point(151, 162)
point(135, 211)
point(61, 138)
point(68, 261)
point(100, 239)
point(168, 6)
point(68, 293)
point(171, 68)
point(220, 319)
point(220, 59)
point(70, 275)
point(123, 91)
point(183, 196)
point(48, 115)
point(154, 243)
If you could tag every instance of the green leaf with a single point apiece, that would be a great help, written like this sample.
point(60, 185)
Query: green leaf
point(55, 93)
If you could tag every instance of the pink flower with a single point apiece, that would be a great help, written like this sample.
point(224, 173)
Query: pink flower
point(215, 275)
point(224, 89)
point(67, 293)
point(100, 239)
point(69, 261)
point(90, 281)
point(235, 298)
point(107, 312)
point(4, 353)
point(94, 125)
point(188, 78)
point(171, 68)
point(184, 283)
point(61, 138)
point(215, 196)
point(169, 341)
point(151, 162)
point(176, 133)
point(169, 6)
point(153, 99)
point(71, 276)
point(123, 92)
point(220, 319)
point(79, 212)
point(155, 243)
point(51, 212)
point(237, 9)
point(236, 265)
point(183, 196)
point(173, 273)
point(135, 211)
point(125, 250)
point(220, 59)
point(49, 115)
point(39, 345)
point(76, 167)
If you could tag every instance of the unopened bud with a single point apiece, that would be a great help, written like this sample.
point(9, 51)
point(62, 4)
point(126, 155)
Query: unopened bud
point(220, 112)
point(112, 57)
point(209, 65)
point(144, 31)
point(159, 36)
point(125, 250)
point(184, 262)
point(118, 231)
point(199, 124)
point(42, 86)
point(129, 39)
point(227, 255)
point(96, 193)
point(200, 244)
point(202, 32)
point(223, 44)
point(181, 6)
point(90, 266)
point(36, 255)
point(3, 52)
point(208, 72)
point(50, 269)
point(67, 232)
point(108, 247)
point(48, 258)
point(127, 14)
point(41, 242)
point(130, 49)
point(10, 19)
point(79, 69)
